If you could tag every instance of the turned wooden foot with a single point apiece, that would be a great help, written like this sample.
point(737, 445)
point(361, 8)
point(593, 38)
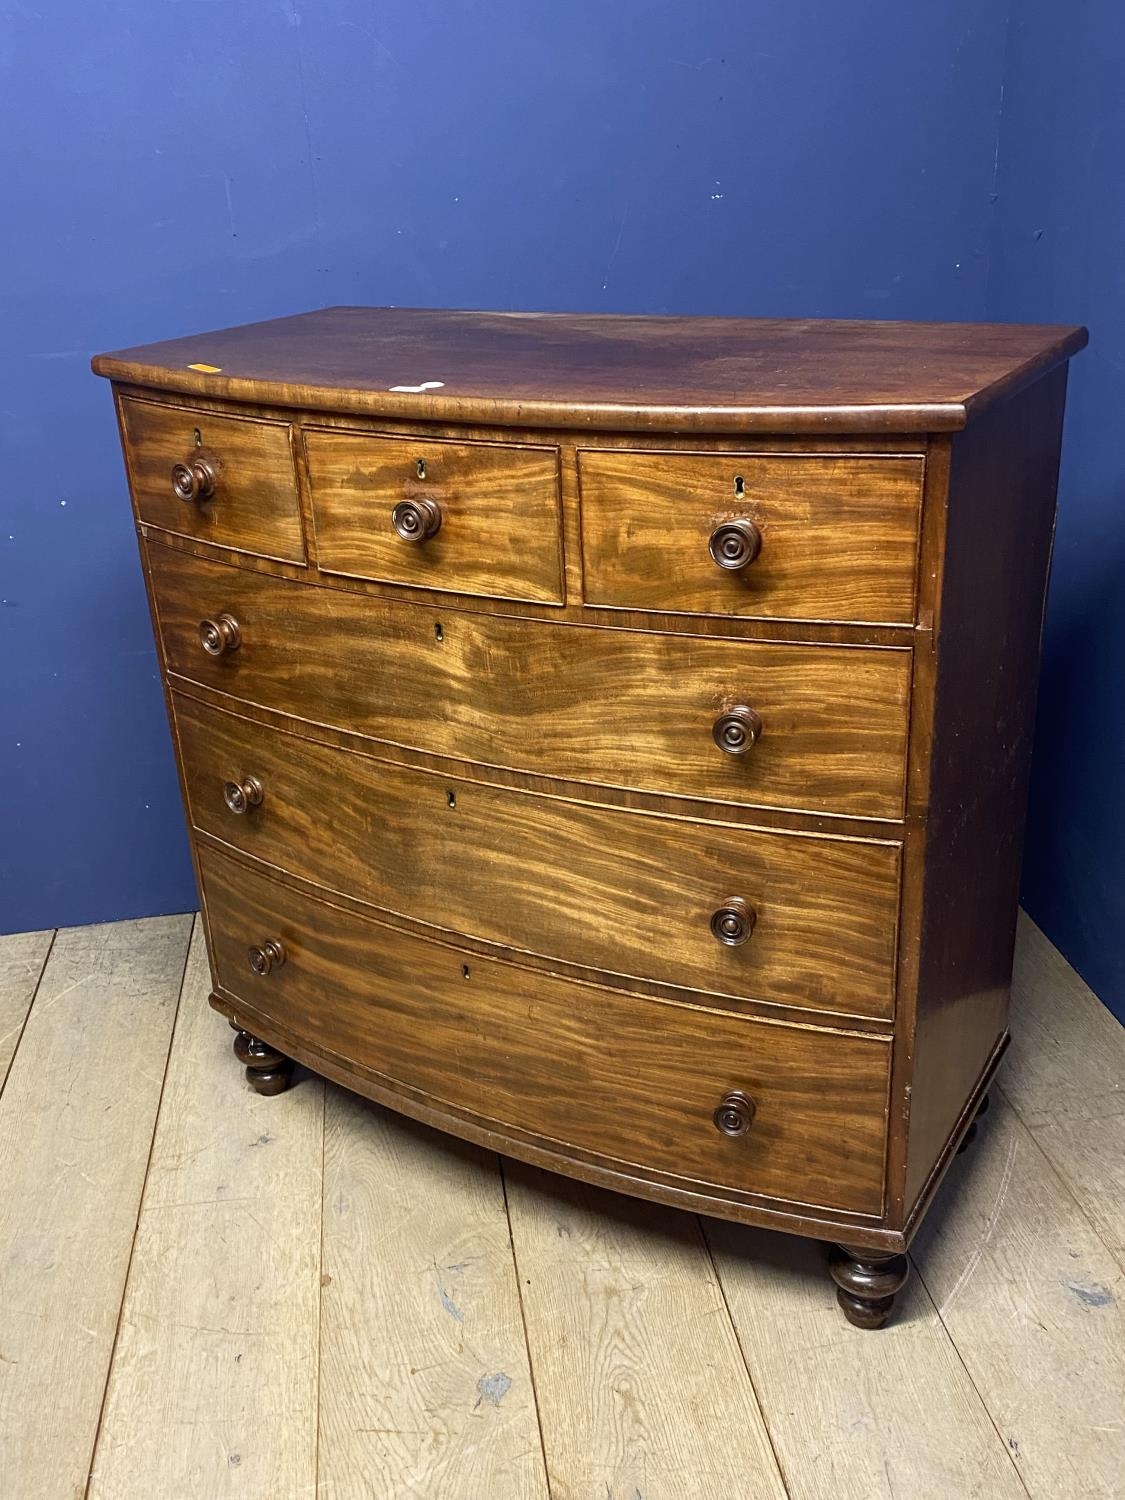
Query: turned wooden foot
point(971, 1134)
point(267, 1070)
point(866, 1283)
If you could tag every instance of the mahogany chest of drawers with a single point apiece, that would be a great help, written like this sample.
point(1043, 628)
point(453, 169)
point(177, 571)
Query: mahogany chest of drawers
point(607, 738)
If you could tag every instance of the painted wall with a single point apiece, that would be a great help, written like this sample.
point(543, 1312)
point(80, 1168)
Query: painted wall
point(1058, 256)
point(177, 166)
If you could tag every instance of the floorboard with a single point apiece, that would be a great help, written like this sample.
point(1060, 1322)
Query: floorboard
point(856, 1415)
point(22, 958)
point(213, 1391)
point(641, 1384)
point(310, 1298)
point(1065, 1078)
point(1035, 1304)
point(424, 1386)
point(76, 1120)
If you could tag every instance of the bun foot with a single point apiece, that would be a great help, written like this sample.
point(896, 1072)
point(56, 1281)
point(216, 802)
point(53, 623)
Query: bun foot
point(267, 1070)
point(867, 1282)
point(971, 1134)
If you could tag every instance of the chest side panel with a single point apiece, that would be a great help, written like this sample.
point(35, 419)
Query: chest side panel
point(999, 531)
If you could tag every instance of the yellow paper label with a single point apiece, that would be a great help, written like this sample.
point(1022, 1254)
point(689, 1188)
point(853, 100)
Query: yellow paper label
point(207, 369)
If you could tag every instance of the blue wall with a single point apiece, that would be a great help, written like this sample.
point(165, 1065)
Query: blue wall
point(1058, 255)
point(172, 165)
point(177, 166)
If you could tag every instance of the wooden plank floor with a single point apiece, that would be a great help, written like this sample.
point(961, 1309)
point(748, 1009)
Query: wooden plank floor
point(206, 1294)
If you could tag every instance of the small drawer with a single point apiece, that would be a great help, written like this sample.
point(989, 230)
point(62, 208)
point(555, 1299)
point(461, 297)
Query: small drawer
point(575, 1067)
point(470, 518)
point(810, 921)
point(787, 537)
point(811, 728)
point(225, 479)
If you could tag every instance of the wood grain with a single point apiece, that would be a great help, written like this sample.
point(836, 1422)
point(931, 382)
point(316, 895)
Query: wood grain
point(613, 890)
point(76, 1120)
point(254, 507)
point(839, 535)
point(558, 662)
point(22, 957)
point(559, 1061)
point(213, 1389)
point(853, 1417)
point(425, 1387)
point(612, 707)
point(500, 530)
point(642, 1388)
point(1065, 1078)
point(606, 371)
point(1036, 1306)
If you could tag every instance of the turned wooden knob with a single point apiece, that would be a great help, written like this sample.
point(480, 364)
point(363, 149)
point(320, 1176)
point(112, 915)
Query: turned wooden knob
point(737, 729)
point(270, 956)
point(220, 635)
point(416, 520)
point(735, 544)
point(195, 478)
point(733, 922)
point(734, 1113)
point(241, 796)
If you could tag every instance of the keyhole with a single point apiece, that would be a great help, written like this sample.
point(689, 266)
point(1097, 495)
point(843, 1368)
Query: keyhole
point(451, 799)
point(465, 971)
point(739, 485)
point(198, 438)
point(439, 633)
point(421, 467)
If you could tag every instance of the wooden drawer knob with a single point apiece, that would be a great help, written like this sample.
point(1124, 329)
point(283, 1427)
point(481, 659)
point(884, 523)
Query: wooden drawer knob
point(733, 922)
point(241, 796)
point(195, 478)
point(270, 956)
point(416, 520)
point(220, 635)
point(735, 544)
point(737, 729)
point(734, 1113)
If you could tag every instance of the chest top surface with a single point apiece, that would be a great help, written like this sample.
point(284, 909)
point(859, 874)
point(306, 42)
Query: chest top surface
point(565, 370)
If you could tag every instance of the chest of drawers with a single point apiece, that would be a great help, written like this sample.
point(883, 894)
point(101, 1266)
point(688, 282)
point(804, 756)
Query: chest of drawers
point(606, 738)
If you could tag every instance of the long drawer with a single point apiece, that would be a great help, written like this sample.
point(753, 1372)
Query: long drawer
point(605, 888)
point(610, 1075)
point(821, 728)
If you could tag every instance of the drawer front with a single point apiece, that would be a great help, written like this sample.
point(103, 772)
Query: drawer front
point(609, 1075)
point(609, 889)
point(495, 508)
point(804, 538)
point(241, 469)
point(616, 708)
